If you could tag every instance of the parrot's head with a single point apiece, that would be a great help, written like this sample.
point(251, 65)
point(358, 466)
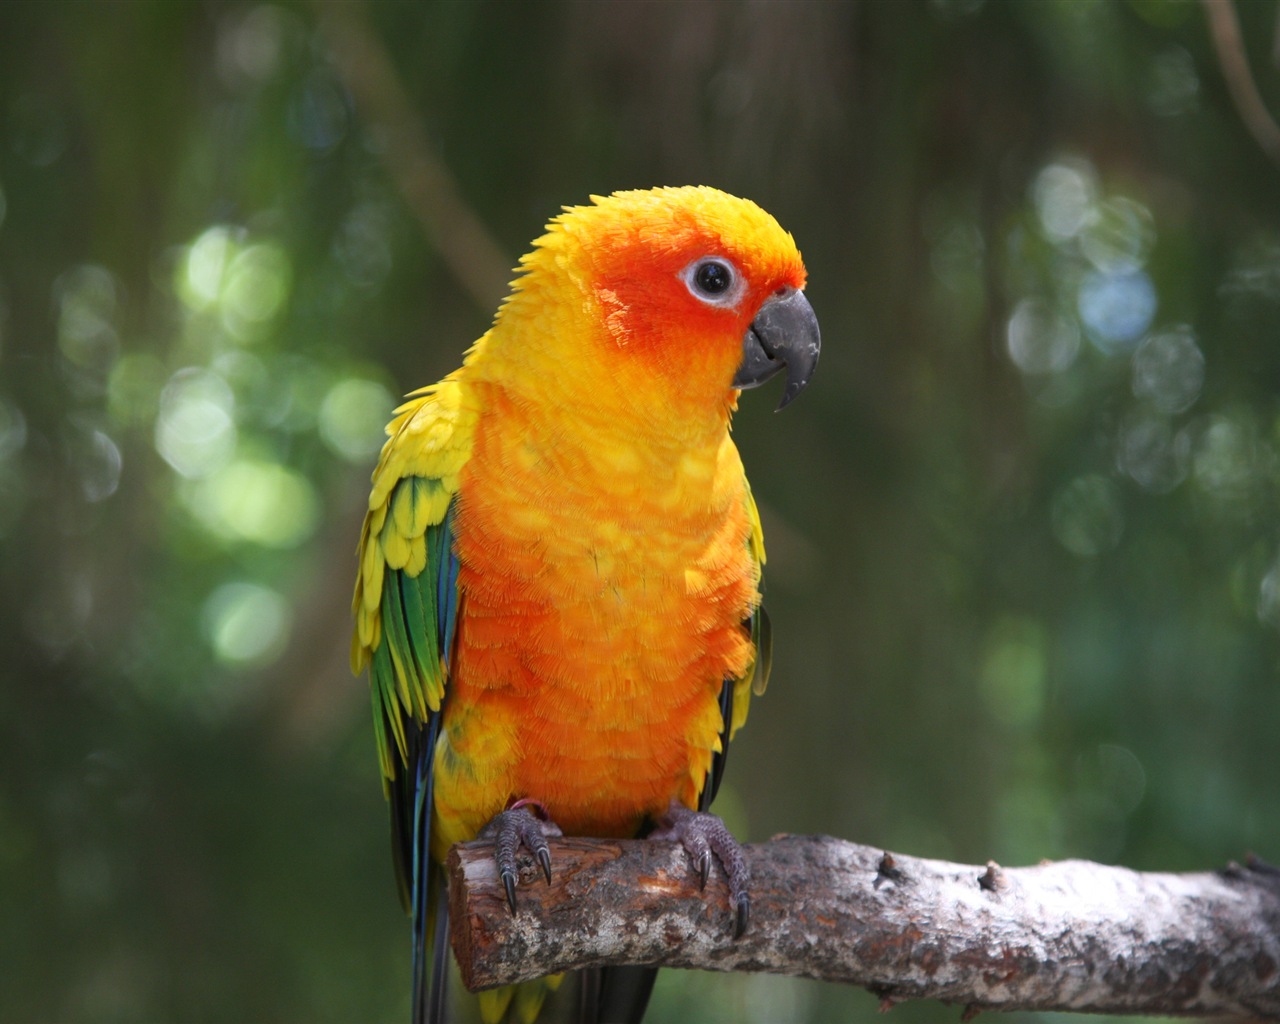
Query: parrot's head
point(690, 289)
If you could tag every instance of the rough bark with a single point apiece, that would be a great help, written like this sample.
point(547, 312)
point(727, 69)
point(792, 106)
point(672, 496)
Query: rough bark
point(1070, 935)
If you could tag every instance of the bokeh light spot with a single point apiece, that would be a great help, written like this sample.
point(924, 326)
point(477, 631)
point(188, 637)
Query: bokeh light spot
point(353, 418)
point(100, 465)
point(1086, 516)
point(1118, 235)
point(249, 45)
point(1012, 676)
point(1041, 340)
point(1255, 271)
point(201, 276)
point(196, 430)
point(300, 387)
point(256, 501)
point(246, 624)
point(1168, 370)
point(1149, 452)
point(134, 387)
point(1114, 775)
point(86, 298)
point(257, 285)
point(1226, 457)
point(1268, 606)
point(1064, 194)
point(1116, 309)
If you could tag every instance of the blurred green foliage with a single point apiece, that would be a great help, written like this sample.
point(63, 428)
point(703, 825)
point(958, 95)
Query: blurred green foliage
point(1024, 560)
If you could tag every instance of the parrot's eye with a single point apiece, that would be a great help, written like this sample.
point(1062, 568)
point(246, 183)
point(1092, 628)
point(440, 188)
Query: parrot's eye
point(713, 277)
point(714, 280)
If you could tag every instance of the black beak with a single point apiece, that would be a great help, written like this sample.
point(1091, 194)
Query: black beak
point(784, 334)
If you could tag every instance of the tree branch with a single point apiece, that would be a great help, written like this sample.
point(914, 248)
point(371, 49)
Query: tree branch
point(1060, 936)
point(1224, 27)
point(426, 183)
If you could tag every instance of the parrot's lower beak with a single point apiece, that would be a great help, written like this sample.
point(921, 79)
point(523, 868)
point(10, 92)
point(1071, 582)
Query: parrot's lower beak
point(783, 334)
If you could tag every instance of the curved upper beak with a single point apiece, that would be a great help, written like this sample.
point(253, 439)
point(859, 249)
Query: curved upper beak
point(784, 335)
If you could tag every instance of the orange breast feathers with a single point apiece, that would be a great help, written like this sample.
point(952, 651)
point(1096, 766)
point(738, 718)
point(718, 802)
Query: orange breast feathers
point(599, 623)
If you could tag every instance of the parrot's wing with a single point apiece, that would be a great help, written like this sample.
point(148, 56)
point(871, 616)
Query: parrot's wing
point(735, 694)
point(406, 610)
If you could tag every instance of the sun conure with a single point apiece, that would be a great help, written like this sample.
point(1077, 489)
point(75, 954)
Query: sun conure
point(559, 588)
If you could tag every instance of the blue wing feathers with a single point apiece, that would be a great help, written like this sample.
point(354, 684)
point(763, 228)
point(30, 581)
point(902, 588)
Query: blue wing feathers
point(447, 583)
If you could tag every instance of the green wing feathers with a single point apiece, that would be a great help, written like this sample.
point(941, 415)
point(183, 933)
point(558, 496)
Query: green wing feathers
point(405, 599)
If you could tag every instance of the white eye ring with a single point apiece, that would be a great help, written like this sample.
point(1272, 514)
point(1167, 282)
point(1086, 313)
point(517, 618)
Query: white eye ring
point(715, 281)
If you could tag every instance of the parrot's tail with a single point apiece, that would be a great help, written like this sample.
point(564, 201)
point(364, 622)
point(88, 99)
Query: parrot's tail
point(614, 995)
point(430, 986)
point(423, 883)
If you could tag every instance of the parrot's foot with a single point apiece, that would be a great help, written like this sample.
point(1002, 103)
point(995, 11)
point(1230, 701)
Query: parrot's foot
point(705, 836)
point(525, 823)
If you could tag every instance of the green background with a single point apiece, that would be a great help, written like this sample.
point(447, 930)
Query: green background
point(1023, 546)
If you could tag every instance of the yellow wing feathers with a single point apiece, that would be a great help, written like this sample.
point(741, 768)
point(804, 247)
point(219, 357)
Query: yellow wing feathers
point(756, 677)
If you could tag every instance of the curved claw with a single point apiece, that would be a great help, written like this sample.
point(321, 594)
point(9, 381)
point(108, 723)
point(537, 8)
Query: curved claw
point(744, 915)
point(704, 837)
point(521, 825)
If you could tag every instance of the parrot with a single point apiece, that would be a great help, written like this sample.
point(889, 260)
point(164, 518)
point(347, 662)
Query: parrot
point(558, 598)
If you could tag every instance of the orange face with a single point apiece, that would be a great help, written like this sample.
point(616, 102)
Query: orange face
point(678, 276)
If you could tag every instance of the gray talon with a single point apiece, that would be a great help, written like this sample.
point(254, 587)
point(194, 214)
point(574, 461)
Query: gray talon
point(704, 868)
point(512, 829)
point(704, 837)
